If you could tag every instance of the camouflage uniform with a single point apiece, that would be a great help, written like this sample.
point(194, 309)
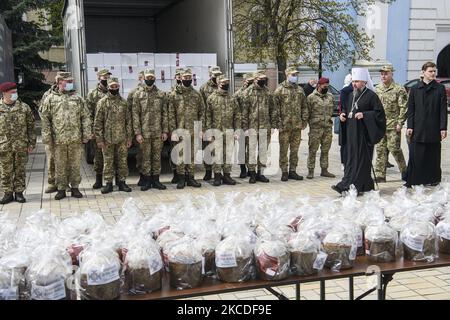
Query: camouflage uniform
point(150, 120)
point(394, 99)
point(113, 128)
point(223, 114)
point(130, 98)
point(320, 112)
point(291, 100)
point(66, 122)
point(16, 136)
point(239, 95)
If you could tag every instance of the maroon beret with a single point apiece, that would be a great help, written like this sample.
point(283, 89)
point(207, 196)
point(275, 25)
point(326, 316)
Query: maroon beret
point(323, 80)
point(6, 86)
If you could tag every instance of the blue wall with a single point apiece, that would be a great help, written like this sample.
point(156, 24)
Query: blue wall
point(398, 38)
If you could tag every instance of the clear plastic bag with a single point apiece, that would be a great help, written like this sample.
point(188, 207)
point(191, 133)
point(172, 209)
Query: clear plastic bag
point(419, 241)
point(381, 243)
point(306, 254)
point(272, 260)
point(340, 244)
point(443, 234)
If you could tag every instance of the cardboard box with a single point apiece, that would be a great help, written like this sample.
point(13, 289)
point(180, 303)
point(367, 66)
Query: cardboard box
point(165, 59)
point(92, 85)
point(130, 72)
point(209, 59)
point(146, 60)
point(112, 59)
point(190, 59)
point(116, 70)
point(128, 84)
point(163, 73)
point(197, 72)
point(94, 60)
point(164, 86)
point(205, 73)
point(129, 59)
point(92, 73)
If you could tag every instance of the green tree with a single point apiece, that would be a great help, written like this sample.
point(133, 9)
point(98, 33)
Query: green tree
point(286, 31)
point(29, 38)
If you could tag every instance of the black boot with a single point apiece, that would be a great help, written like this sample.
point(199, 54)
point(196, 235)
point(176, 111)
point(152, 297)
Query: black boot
point(261, 178)
point(181, 181)
point(60, 195)
point(191, 182)
point(157, 184)
point(142, 180)
point(284, 176)
point(243, 174)
point(117, 180)
point(7, 198)
point(124, 187)
point(208, 175)
point(217, 179)
point(175, 177)
point(252, 177)
point(228, 180)
point(108, 188)
point(147, 183)
point(294, 176)
point(20, 198)
point(98, 182)
point(76, 193)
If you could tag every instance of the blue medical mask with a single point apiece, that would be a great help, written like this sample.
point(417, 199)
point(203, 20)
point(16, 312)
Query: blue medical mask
point(68, 86)
point(14, 96)
point(293, 79)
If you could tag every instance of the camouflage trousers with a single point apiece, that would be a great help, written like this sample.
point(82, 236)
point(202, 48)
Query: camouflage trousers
point(139, 160)
point(390, 143)
point(98, 159)
point(289, 140)
point(322, 137)
point(208, 167)
point(67, 165)
point(253, 147)
point(151, 155)
point(50, 153)
point(225, 163)
point(115, 156)
point(183, 167)
point(12, 171)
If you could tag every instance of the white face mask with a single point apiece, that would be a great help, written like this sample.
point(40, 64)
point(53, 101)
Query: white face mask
point(68, 86)
point(14, 96)
point(293, 79)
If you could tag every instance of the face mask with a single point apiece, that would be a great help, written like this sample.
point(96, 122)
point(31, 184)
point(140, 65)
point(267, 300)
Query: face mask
point(187, 83)
point(14, 96)
point(293, 79)
point(324, 90)
point(214, 80)
point(104, 83)
point(114, 92)
point(225, 87)
point(68, 86)
point(149, 82)
point(262, 82)
point(178, 81)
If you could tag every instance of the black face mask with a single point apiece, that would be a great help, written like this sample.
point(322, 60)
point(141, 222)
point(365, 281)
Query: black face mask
point(262, 82)
point(114, 92)
point(214, 80)
point(187, 83)
point(225, 87)
point(324, 90)
point(149, 82)
point(104, 83)
point(178, 81)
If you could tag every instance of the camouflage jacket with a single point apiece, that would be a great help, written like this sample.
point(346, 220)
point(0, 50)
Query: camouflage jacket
point(185, 106)
point(260, 111)
point(222, 111)
point(394, 99)
point(65, 119)
point(16, 127)
point(131, 95)
point(150, 112)
point(320, 110)
point(239, 96)
point(291, 100)
point(112, 120)
point(94, 97)
point(207, 89)
point(53, 88)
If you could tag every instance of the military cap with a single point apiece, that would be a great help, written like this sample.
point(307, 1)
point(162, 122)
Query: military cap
point(187, 72)
point(387, 68)
point(222, 77)
point(323, 80)
point(113, 80)
point(179, 71)
point(7, 86)
point(291, 70)
point(58, 76)
point(141, 73)
point(260, 74)
point(248, 76)
point(215, 70)
point(65, 76)
point(149, 72)
point(103, 72)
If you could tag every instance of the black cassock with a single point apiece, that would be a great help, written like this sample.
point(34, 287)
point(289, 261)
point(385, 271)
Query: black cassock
point(359, 137)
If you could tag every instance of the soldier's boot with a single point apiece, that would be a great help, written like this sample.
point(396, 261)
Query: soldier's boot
point(191, 182)
point(243, 174)
point(20, 198)
point(284, 176)
point(76, 193)
point(181, 181)
point(60, 195)
point(208, 175)
point(157, 184)
point(117, 180)
point(147, 180)
point(217, 179)
point(108, 188)
point(294, 176)
point(175, 177)
point(98, 181)
point(142, 181)
point(252, 177)
point(261, 178)
point(326, 174)
point(228, 180)
point(380, 179)
point(124, 187)
point(7, 198)
point(310, 174)
point(51, 188)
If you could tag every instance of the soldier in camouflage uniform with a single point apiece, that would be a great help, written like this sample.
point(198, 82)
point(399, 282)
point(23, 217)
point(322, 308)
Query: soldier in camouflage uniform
point(185, 107)
point(260, 113)
point(239, 96)
point(151, 128)
point(320, 112)
point(223, 114)
point(66, 123)
point(92, 99)
point(206, 90)
point(394, 99)
point(178, 73)
point(113, 132)
point(17, 139)
point(291, 100)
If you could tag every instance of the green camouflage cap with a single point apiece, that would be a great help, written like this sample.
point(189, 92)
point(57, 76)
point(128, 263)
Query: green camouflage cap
point(249, 76)
point(113, 80)
point(179, 71)
point(65, 76)
point(387, 68)
point(58, 76)
point(215, 70)
point(149, 72)
point(103, 72)
point(141, 73)
point(292, 70)
point(222, 77)
point(260, 74)
point(187, 72)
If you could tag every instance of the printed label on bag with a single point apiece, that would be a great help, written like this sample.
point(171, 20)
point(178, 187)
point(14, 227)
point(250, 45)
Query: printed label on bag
point(415, 243)
point(226, 260)
point(9, 294)
point(270, 272)
point(154, 265)
point(106, 275)
point(55, 291)
point(353, 250)
point(320, 261)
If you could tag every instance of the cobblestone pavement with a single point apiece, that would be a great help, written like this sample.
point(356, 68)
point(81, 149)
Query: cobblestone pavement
point(424, 285)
